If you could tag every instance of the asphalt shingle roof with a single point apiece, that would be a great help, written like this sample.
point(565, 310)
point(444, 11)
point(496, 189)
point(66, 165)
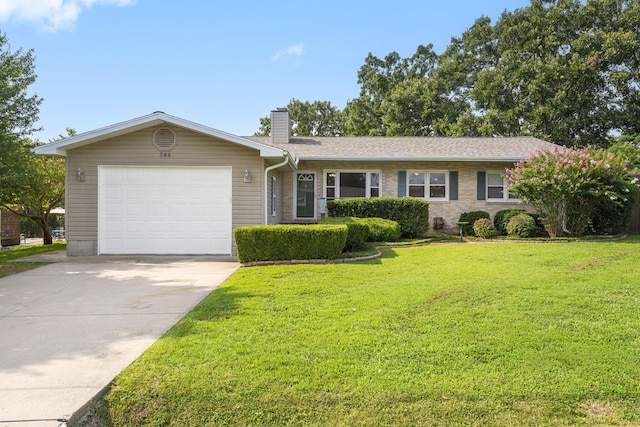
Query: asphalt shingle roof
point(410, 148)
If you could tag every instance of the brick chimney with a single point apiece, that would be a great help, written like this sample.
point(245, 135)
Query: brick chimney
point(280, 126)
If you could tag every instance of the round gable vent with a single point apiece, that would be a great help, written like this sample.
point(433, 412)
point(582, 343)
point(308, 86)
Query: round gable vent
point(164, 139)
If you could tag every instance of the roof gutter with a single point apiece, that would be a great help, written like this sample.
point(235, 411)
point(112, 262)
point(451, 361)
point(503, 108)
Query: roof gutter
point(266, 183)
point(409, 158)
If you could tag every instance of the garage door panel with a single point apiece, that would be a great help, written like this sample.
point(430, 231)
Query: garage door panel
point(134, 177)
point(113, 211)
point(164, 210)
point(133, 226)
point(156, 193)
point(157, 227)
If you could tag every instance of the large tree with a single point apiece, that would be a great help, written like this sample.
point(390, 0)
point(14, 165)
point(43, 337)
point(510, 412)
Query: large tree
point(18, 109)
point(557, 69)
point(567, 71)
point(30, 185)
point(33, 187)
point(318, 118)
point(394, 94)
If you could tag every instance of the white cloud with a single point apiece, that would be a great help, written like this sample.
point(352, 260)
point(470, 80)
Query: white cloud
point(295, 50)
point(52, 15)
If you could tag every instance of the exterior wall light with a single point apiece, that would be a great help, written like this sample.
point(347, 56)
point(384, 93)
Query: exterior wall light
point(247, 176)
point(80, 175)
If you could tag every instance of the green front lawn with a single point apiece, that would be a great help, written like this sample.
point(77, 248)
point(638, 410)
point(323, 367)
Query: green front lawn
point(503, 334)
point(8, 256)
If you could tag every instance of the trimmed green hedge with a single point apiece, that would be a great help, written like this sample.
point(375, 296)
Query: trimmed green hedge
point(379, 230)
point(287, 242)
point(382, 230)
point(357, 232)
point(410, 213)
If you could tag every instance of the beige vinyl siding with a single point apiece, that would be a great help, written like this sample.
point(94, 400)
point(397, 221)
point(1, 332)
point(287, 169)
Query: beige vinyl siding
point(449, 210)
point(137, 149)
point(287, 197)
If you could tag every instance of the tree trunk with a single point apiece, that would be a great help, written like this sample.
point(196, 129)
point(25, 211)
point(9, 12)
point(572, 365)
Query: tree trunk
point(46, 233)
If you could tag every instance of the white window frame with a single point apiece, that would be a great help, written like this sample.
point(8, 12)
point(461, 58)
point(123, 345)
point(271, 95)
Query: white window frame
point(427, 184)
point(505, 192)
point(337, 172)
point(274, 196)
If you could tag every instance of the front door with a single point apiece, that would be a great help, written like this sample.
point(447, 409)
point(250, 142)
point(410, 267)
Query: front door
point(305, 195)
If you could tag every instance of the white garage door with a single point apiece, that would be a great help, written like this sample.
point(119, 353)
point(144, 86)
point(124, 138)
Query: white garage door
point(164, 210)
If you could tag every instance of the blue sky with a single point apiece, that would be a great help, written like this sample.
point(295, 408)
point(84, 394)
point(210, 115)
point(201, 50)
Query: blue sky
point(100, 62)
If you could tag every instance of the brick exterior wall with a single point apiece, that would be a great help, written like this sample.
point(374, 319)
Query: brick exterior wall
point(448, 210)
point(10, 228)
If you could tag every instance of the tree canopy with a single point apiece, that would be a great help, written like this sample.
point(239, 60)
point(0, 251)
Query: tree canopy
point(18, 109)
point(318, 118)
point(558, 69)
point(562, 70)
point(34, 187)
point(30, 185)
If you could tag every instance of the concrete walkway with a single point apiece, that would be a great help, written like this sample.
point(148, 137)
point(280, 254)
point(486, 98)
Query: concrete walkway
point(68, 328)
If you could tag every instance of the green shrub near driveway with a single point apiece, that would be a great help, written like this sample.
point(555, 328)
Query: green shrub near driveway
point(287, 242)
point(412, 214)
point(357, 232)
point(484, 228)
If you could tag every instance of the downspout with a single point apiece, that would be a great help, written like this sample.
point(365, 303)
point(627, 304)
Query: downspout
point(266, 185)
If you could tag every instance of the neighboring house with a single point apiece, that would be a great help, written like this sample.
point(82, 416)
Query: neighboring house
point(9, 228)
point(159, 184)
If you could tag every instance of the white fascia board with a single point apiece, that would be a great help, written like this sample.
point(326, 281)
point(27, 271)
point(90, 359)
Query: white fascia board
point(60, 147)
point(409, 159)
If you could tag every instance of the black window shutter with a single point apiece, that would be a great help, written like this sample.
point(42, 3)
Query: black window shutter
point(453, 185)
point(402, 183)
point(482, 185)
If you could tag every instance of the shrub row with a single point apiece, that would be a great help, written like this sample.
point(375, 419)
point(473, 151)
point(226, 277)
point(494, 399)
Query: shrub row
point(470, 218)
point(410, 213)
point(286, 242)
point(512, 222)
point(357, 232)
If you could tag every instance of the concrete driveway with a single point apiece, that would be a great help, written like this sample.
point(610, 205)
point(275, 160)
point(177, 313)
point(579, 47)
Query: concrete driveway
point(68, 328)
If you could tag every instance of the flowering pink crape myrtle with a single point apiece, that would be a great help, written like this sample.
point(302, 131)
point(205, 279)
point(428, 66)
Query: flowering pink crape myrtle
point(565, 185)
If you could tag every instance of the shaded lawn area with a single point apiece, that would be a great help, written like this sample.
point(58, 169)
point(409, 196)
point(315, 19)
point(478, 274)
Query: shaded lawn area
point(505, 334)
point(8, 256)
